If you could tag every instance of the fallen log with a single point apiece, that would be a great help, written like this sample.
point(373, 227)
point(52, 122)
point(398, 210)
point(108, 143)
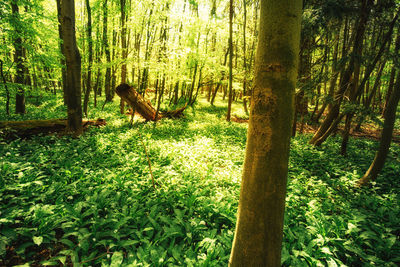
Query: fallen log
point(34, 127)
point(143, 107)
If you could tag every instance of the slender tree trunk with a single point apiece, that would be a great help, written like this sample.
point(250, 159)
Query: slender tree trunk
point(176, 93)
point(107, 84)
point(193, 81)
point(244, 57)
point(124, 49)
point(18, 59)
point(332, 84)
point(5, 87)
point(228, 115)
point(386, 137)
point(389, 90)
point(160, 95)
point(371, 95)
point(346, 77)
point(259, 228)
point(222, 78)
point(73, 67)
point(90, 52)
point(62, 59)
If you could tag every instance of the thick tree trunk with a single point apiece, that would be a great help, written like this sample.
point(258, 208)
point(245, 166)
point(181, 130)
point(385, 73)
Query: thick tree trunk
point(386, 137)
point(143, 107)
point(258, 235)
point(73, 67)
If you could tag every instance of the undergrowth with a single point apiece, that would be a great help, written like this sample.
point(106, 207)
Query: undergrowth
point(90, 201)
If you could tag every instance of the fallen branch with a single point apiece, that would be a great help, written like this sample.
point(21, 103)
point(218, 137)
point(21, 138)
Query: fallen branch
point(34, 127)
point(143, 107)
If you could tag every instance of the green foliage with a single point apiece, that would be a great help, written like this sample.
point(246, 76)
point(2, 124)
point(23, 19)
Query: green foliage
point(90, 201)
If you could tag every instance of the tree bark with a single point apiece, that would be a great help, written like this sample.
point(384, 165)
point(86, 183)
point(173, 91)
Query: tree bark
point(390, 88)
point(18, 59)
point(73, 67)
point(29, 128)
point(386, 137)
point(345, 81)
point(6, 88)
point(90, 52)
point(62, 59)
point(258, 235)
point(124, 49)
point(244, 57)
point(107, 88)
point(143, 107)
point(228, 115)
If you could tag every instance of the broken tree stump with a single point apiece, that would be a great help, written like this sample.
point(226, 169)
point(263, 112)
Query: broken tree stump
point(34, 127)
point(143, 107)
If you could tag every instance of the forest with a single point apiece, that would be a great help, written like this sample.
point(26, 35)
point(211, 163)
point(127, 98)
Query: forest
point(199, 133)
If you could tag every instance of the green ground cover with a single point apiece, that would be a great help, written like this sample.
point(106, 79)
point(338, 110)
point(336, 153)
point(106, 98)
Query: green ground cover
point(90, 201)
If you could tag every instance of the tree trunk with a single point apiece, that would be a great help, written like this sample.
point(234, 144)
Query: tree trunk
point(90, 52)
point(143, 107)
point(389, 90)
point(346, 77)
point(62, 59)
point(216, 91)
point(29, 128)
point(73, 67)
point(18, 59)
point(228, 115)
point(6, 88)
point(192, 86)
point(244, 57)
point(332, 84)
point(258, 235)
point(107, 88)
point(124, 49)
point(386, 137)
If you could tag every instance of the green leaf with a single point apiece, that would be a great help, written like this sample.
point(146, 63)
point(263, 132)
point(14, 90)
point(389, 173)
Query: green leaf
point(67, 242)
point(37, 240)
point(62, 259)
point(326, 250)
point(116, 259)
point(331, 263)
point(49, 263)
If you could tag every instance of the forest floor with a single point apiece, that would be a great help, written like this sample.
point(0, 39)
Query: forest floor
point(90, 201)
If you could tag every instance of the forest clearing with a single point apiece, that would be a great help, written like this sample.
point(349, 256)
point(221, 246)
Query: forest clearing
point(199, 133)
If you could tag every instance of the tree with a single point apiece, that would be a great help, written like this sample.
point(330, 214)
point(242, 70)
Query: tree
point(258, 234)
point(62, 59)
point(90, 51)
point(228, 115)
point(106, 45)
point(73, 66)
point(123, 47)
point(18, 59)
point(387, 132)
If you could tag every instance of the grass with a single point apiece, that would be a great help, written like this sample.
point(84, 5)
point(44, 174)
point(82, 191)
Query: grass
point(90, 201)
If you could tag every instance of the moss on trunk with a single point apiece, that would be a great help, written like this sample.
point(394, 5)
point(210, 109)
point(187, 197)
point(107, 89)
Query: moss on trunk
point(258, 235)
